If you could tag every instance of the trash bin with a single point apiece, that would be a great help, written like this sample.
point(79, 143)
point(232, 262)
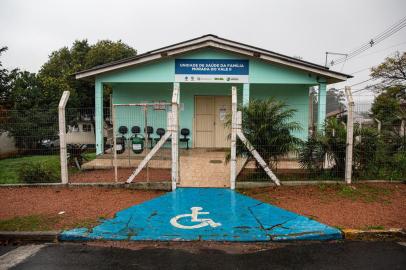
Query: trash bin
point(137, 144)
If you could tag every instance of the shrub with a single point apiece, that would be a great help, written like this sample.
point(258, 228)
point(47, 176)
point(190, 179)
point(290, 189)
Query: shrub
point(330, 143)
point(268, 126)
point(38, 172)
point(311, 154)
point(368, 151)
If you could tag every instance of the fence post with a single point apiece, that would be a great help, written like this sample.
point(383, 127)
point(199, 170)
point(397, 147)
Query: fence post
point(62, 137)
point(233, 158)
point(175, 131)
point(350, 131)
point(113, 116)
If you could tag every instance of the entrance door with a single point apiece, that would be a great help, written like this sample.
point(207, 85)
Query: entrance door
point(210, 116)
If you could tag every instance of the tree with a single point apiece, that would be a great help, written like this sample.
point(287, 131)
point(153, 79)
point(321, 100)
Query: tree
point(33, 98)
point(389, 106)
point(268, 125)
point(4, 83)
point(391, 73)
point(56, 75)
point(30, 119)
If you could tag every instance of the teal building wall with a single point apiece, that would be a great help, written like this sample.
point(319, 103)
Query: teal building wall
point(153, 82)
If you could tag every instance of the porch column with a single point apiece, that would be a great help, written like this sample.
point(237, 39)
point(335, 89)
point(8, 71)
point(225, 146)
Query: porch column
point(99, 117)
point(246, 94)
point(321, 107)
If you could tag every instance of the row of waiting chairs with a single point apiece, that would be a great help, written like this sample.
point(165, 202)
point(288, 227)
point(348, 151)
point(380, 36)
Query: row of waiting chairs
point(136, 130)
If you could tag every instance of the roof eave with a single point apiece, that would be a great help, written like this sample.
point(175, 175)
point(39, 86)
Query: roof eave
point(207, 41)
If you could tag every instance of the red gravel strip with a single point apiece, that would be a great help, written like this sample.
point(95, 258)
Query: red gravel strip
point(80, 204)
point(99, 176)
point(361, 206)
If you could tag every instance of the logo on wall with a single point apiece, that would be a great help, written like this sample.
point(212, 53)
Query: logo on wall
point(211, 70)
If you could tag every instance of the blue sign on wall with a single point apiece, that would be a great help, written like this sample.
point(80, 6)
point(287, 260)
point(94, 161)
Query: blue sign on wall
point(211, 70)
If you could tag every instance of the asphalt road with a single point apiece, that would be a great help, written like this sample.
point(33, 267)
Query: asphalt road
point(344, 255)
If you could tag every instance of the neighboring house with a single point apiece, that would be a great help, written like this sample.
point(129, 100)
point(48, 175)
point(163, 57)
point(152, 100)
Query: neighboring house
point(7, 145)
point(204, 69)
point(359, 118)
point(81, 133)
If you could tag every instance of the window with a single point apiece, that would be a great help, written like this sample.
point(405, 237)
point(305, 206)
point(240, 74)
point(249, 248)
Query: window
point(74, 128)
point(87, 128)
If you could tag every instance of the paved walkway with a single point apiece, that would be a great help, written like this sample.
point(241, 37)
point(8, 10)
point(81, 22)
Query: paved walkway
point(205, 214)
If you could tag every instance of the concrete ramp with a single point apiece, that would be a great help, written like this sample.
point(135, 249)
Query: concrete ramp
point(214, 214)
point(206, 169)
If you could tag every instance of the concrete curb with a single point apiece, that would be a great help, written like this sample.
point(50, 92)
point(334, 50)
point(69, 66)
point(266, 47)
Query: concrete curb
point(167, 185)
point(29, 237)
point(393, 234)
point(259, 184)
point(138, 185)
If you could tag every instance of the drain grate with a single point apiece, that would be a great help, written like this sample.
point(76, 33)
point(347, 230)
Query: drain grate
point(216, 161)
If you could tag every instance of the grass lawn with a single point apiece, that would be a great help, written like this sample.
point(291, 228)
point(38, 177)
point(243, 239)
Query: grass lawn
point(10, 167)
point(60, 208)
point(29, 223)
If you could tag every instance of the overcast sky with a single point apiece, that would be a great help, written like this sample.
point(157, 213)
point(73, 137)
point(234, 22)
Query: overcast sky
point(305, 28)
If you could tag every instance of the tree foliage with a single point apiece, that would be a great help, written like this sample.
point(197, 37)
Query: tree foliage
point(31, 99)
point(387, 106)
point(391, 73)
point(56, 75)
point(5, 86)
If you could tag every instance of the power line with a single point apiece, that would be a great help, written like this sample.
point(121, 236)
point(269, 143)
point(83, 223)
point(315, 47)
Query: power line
point(390, 47)
point(377, 39)
point(375, 52)
point(342, 88)
point(361, 70)
point(362, 82)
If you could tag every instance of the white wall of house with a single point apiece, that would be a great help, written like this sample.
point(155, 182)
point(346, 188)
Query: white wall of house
point(83, 133)
point(7, 144)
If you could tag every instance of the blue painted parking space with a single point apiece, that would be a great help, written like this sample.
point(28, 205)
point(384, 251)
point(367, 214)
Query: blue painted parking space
point(216, 214)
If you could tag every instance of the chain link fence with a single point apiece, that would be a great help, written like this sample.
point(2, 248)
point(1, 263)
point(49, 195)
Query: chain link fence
point(135, 129)
point(29, 145)
point(379, 147)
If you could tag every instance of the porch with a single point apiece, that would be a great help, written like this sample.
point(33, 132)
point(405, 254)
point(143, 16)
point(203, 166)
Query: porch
point(199, 167)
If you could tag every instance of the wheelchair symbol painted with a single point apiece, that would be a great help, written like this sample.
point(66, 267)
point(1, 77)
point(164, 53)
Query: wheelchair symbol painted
point(203, 222)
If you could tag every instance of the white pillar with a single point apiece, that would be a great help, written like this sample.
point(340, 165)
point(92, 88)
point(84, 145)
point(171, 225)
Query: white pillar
point(350, 130)
point(175, 134)
point(62, 137)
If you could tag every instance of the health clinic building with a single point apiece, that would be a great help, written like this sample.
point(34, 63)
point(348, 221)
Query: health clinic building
point(204, 69)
